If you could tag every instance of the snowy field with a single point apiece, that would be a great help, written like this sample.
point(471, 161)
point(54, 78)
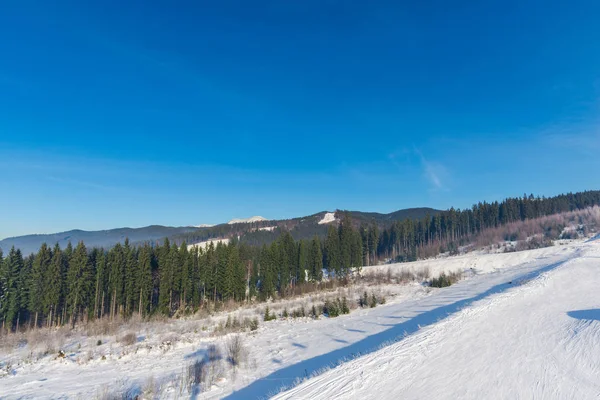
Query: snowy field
point(520, 325)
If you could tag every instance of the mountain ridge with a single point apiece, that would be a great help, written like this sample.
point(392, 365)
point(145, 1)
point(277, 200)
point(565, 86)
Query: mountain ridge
point(251, 230)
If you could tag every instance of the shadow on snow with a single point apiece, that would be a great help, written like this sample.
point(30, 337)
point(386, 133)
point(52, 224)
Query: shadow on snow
point(288, 377)
point(585, 315)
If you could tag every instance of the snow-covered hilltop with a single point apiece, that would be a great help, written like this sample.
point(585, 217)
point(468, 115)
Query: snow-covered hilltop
point(327, 218)
point(247, 220)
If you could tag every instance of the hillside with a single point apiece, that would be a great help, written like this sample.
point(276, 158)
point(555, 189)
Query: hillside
point(254, 230)
point(105, 238)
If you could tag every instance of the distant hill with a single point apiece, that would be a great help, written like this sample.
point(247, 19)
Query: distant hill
point(108, 238)
point(253, 231)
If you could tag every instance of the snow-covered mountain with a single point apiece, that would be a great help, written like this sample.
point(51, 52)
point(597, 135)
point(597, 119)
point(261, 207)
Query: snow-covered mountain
point(247, 220)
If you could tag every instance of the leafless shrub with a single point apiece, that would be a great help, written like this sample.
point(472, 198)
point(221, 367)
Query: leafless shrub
point(423, 273)
point(236, 350)
point(128, 339)
point(197, 373)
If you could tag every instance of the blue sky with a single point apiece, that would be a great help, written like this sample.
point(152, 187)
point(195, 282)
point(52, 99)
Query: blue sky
point(135, 113)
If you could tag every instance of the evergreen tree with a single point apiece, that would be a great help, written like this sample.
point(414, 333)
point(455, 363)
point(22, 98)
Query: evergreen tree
point(130, 282)
point(116, 279)
point(100, 283)
point(41, 263)
point(144, 280)
point(78, 281)
point(185, 276)
point(332, 251)
point(53, 287)
point(303, 260)
point(12, 300)
point(316, 260)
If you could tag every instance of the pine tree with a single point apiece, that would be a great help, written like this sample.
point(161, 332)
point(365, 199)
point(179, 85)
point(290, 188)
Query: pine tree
point(131, 271)
point(185, 283)
point(53, 287)
point(116, 266)
point(345, 242)
point(11, 305)
point(41, 263)
point(78, 282)
point(332, 250)
point(303, 266)
point(316, 260)
point(24, 290)
point(144, 280)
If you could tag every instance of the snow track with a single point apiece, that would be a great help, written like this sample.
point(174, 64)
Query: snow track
point(537, 340)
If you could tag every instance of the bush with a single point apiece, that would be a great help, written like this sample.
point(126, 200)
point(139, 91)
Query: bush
point(344, 306)
point(254, 324)
point(236, 351)
point(99, 342)
point(196, 373)
point(364, 300)
point(128, 339)
point(373, 302)
point(331, 309)
point(445, 280)
point(268, 316)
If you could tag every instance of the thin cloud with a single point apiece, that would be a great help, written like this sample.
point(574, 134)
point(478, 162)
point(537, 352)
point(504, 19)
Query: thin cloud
point(434, 172)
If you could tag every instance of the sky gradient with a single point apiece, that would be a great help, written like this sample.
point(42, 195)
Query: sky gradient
point(115, 114)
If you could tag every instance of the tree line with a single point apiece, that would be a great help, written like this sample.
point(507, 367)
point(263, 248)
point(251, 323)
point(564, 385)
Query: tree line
point(58, 286)
point(409, 240)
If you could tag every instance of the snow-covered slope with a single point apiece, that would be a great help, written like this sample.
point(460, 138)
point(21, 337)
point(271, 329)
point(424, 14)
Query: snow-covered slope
point(525, 328)
point(538, 339)
point(206, 243)
point(247, 220)
point(327, 218)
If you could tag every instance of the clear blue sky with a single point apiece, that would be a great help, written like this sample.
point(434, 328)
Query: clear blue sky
point(135, 113)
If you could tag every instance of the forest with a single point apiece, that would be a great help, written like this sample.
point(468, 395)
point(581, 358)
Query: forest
point(64, 286)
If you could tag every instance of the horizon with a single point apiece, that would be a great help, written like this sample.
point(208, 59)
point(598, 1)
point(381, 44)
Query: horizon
point(200, 226)
point(134, 115)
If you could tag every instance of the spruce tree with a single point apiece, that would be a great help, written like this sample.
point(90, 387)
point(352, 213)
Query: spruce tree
point(302, 263)
point(53, 287)
point(316, 260)
point(11, 304)
point(41, 263)
point(144, 280)
point(100, 283)
point(78, 282)
point(346, 238)
point(130, 293)
point(116, 266)
point(332, 251)
point(185, 283)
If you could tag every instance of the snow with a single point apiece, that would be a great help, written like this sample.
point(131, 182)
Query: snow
point(206, 243)
point(522, 325)
point(204, 226)
point(267, 228)
point(327, 218)
point(247, 220)
point(536, 340)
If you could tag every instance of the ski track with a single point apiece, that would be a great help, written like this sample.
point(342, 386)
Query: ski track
point(526, 342)
point(436, 345)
